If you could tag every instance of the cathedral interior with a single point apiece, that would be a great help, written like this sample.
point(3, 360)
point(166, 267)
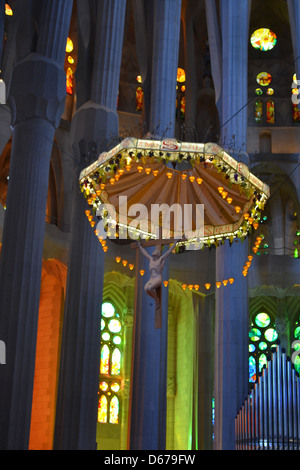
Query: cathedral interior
point(83, 366)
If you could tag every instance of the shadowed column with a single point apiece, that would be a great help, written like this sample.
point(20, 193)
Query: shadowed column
point(37, 94)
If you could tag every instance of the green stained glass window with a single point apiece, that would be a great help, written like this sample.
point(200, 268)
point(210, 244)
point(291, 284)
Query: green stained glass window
point(110, 365)
point(114, 326)
point(297, 332)
point(254, 334)
point(262, 337)
point(259, 112)
point(258, 91)
point(106, 336)
point(252, 369)
point(116, 362)
point(271, 335)
point(262, 320)
point(262, 361)
point(263, 39)
point(108, 309)
point(117, 339)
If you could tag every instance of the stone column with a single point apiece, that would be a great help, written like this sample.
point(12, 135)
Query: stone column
point(164, 67)
point(231, 318)
point(37, 94)
point(294, 16)
point(149, 367)
point(94, 123)
point(149, 376)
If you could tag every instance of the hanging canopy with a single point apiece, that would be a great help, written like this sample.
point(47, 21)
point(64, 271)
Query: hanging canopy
point(168, 172)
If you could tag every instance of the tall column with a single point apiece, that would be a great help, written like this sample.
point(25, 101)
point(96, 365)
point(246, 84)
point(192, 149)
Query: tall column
point(294, 16)
point(164, 67)
point(37, 94)
point(94, 123)
point(149, 365)
point(149, 372)
point(231, 319)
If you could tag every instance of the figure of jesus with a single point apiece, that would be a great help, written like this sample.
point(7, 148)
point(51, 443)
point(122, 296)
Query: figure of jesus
point(156, 265)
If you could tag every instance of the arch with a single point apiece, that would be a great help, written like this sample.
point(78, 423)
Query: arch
point(282, 209)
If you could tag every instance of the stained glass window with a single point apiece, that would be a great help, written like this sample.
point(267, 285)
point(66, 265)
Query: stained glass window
point(104, 359)
point(262, 336)
point(259, 112)
point(70, 80)
point(114, 410)
point(69, 45)
point(296, 346)
point(264, 78)
point(139, 98)
point(116, 362)
point(180, 75)
point(270, 112)
point(8, 10)
point(296, 113)
point(102, 409)
point(110, 365)
point(263, 39)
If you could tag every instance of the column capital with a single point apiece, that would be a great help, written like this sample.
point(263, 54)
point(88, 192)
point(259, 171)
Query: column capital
point(93, 128)
point(37, 90)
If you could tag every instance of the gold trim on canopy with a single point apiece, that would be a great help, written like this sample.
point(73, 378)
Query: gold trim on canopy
point(146, 172)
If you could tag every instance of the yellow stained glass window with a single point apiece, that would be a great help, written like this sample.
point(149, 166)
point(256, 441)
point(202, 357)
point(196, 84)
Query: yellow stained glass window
point(180, 75)
point(114, 410)
point(8, 10)
point(104, 359)
point(139, 98)
point(116, 362)
point(102, 409)
point(263, 39)
point(69, 45)
point(264, 78)
point(110, 365)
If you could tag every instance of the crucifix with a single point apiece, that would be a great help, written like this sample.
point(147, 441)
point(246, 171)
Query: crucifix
point(156, 264)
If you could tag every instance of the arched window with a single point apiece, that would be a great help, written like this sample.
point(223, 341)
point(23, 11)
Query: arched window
point(139, 96)
point(110, 365)
point(270, 112)
point(262, 336)
point(295, 334)
point(70, 80)
point(258, 112)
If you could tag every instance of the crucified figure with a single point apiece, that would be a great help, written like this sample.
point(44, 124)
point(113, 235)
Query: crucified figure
point(156, 265)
